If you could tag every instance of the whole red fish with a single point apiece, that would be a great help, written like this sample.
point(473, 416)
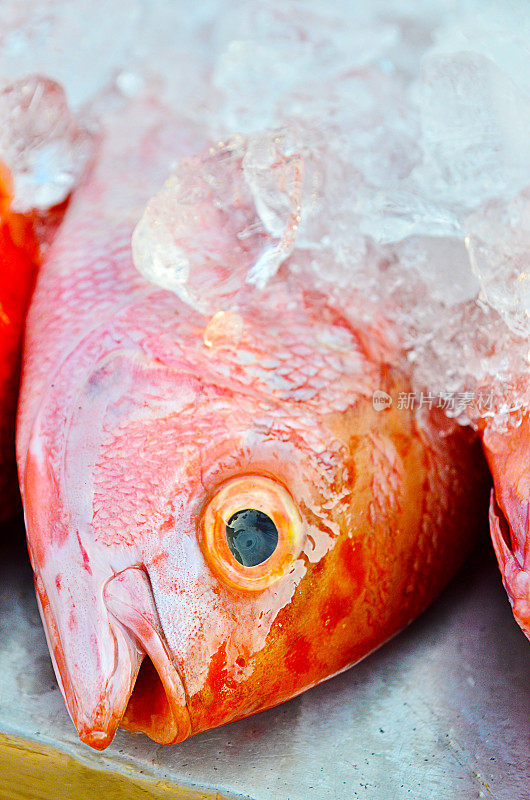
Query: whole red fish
point(219, 516)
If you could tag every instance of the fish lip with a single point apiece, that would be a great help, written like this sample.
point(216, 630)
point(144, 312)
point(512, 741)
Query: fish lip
point(129, 600)
point(95, 705)
point(99, 731)
point(99, 740)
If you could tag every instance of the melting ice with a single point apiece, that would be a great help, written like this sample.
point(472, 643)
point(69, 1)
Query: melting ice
point(379, 146)
point(41, 143)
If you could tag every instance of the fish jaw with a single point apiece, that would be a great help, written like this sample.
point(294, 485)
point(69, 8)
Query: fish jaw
point(96, 704)
point(96, 662)
point(129, 599)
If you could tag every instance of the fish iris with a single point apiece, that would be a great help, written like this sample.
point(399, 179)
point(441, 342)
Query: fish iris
point(252, 537)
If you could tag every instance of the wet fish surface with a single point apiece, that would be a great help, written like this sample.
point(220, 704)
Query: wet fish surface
point(219, 515)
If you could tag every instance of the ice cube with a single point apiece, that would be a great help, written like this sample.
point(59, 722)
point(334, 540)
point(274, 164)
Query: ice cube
point(443, 264)
point(499, 249)
point(41, 143)
point(475, 125)
point(391, 216)
point(81, 43)
point(280, 64)
point(222, 221)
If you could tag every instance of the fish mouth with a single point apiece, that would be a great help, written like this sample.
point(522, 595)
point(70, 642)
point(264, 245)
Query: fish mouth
point(156, 702)
point(116, 670)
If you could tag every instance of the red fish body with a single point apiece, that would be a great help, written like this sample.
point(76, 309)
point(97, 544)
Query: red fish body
point(18, 255)
point(148, 432)
point(45, 153)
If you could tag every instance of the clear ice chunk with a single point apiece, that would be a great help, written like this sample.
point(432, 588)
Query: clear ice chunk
point(392, 216)
point(443, 264)
point(498, 242)
point(80, 44)
point(223, 221)
point(475, 123)
point(41, 143)
point(268, 73)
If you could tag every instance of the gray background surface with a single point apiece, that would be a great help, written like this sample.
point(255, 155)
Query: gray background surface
point(442, 711)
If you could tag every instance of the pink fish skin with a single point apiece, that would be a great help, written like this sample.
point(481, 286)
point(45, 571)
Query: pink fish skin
point(144, 425)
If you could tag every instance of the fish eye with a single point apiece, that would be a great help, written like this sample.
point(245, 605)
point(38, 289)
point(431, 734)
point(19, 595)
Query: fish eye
point(251, 532)
point(252, 536)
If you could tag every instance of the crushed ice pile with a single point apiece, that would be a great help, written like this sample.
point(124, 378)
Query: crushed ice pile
point(377, 148)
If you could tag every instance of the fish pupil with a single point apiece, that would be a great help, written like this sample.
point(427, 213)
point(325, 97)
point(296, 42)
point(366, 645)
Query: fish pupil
point(252, 536)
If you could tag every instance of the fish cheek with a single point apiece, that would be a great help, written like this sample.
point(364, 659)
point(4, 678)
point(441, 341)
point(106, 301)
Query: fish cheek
point(326, 624)
point(342, 608)
point(309, 640)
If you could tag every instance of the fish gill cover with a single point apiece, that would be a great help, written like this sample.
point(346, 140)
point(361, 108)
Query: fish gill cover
point(377, 145)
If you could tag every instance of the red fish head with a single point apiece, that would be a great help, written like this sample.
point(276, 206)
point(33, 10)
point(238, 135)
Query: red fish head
point(220, 515)
point(241, 519)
